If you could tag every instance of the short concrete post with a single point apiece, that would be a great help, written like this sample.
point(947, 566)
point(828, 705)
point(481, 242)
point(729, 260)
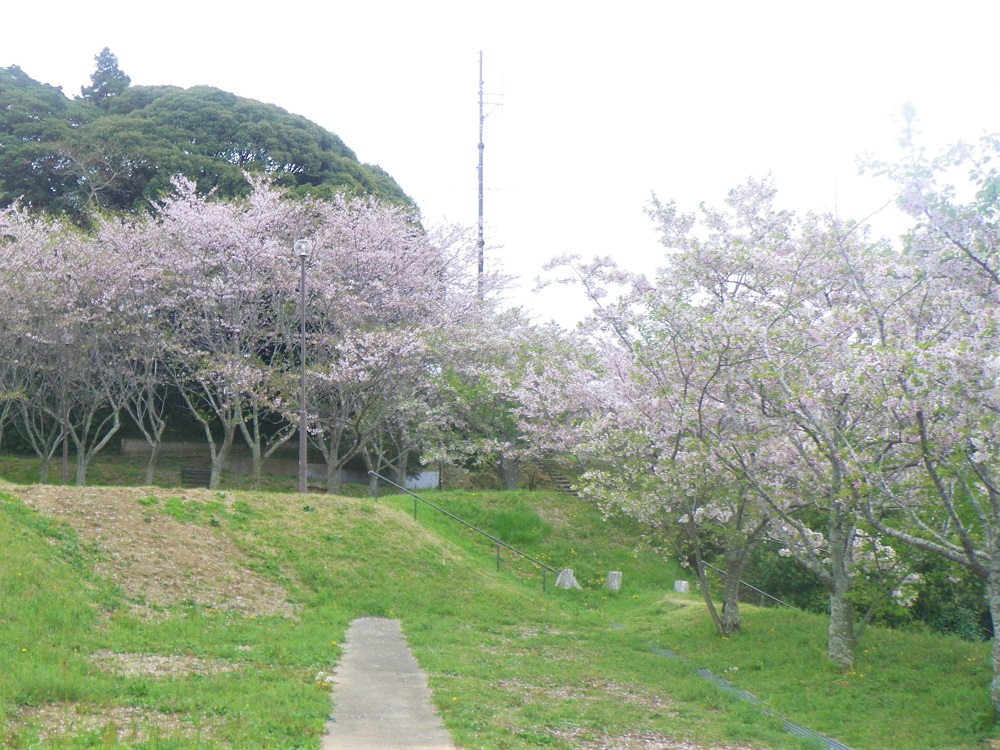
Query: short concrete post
point(682, 587)
point(614, 581)
point(566, 580)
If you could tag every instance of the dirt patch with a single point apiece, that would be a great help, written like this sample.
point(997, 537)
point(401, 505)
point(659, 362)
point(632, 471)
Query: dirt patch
point(634, 741)
point(155, 559)
point(630, 694)
point(554, 516)
point(123, 724)
point(160, 667)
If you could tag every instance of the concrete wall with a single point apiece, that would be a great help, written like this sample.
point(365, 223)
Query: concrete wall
point(241, 462)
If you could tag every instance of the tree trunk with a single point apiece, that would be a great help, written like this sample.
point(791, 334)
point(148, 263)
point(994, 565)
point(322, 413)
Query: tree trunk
point(82, 462)
point(993, 599)
point(258, 465)
point(507, 470)
point(401, 468)
point(219, 457)
point(840, 633)
point(372, 479)
point(84, 453)
point(64, 465)
point(154, 453)
point(142, 406)
point(229, 417)
point(44, 438)
point(332, 477)
point(5, 415)
point(840, 637)
point(252, 439)
point(329, 444)
point(706, 593)
point(261, 449)
point(731, 623)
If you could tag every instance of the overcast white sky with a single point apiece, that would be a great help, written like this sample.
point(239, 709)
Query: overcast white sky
point(603, 104)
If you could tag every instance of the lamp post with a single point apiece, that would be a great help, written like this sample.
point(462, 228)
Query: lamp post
point(302, 249)
point(67, 339)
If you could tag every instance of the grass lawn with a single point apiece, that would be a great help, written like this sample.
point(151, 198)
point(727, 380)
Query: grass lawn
point(167, 618)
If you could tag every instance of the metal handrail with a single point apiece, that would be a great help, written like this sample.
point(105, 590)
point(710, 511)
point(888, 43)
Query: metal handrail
point(754, 588)
point(499, 543)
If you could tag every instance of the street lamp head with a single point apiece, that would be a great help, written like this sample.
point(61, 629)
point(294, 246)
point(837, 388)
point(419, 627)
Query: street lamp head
point(303, 248)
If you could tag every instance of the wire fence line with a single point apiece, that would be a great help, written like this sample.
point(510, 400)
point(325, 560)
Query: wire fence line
point(752, 588)
point(498, 542)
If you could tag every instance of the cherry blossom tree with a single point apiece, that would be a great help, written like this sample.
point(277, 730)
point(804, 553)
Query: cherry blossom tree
point(147, 403)
point(655, 414)
point(62, 315)
point(228, 275)
point(740, 385)
point(366, 400)
point(36, 386)
point(201, 299)
point(484, 367)
point(129, 280)
point(10, 392)
point(31, 371)
point(8, 395)
point(945, 370)
point(812, 327)
point(382, 296)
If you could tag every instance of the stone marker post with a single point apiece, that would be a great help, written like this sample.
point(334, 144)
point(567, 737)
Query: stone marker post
point(566, 580)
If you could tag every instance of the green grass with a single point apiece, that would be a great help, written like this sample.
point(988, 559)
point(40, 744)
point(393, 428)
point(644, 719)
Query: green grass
point(510, 665)
point(908, 690)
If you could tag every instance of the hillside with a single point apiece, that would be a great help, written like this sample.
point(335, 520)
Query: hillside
point(153, 617)
point(72, 156)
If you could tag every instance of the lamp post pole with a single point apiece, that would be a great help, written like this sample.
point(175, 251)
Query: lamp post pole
point(67, 339)
point(302, 248)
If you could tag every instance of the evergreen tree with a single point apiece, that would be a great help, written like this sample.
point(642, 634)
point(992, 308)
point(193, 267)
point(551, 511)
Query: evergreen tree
point(70, 157)
point(107, 80)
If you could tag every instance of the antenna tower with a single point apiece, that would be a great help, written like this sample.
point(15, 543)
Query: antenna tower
point(481, 243)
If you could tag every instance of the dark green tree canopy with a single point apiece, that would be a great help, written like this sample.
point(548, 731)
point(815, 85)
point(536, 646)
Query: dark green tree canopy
point(107, 81)
point(74, 157)
point(34, 119)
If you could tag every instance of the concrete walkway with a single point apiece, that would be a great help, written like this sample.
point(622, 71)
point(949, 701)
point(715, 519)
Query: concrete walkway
point(380, 695)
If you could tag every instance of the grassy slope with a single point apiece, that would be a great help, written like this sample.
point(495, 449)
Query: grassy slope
point(511, 666)
point(909, 690)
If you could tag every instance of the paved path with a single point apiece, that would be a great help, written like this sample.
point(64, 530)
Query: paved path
point(380, 695)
